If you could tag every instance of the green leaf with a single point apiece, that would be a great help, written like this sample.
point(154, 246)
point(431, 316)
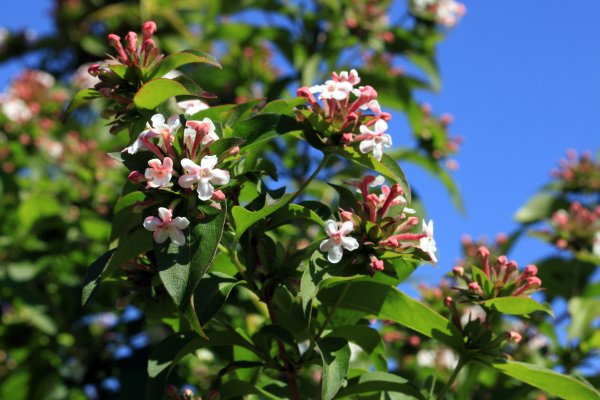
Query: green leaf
point(285, 107)
point(294, 212)
point(168, 353)
point(387, 302)
point(130, 246)
point(176, 60)
point(563, 386)
point(182, 267)
point(155, 92)
point(93, 276)
point(516, 305)
point(79, 99)
point(539, 207)
point(222, 145)
point(583, 314)
point(364, 336)
point(377, 382)
point(211, 293)
point(244, 219)
point(335, 354)
point(263, 127)
point(387, 167)
point(236, 388)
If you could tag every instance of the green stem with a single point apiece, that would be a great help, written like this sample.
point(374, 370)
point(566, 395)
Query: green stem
point(461, 363)
point(310, 178)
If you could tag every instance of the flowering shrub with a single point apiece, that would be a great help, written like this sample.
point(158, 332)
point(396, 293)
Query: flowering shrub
point(276, 292)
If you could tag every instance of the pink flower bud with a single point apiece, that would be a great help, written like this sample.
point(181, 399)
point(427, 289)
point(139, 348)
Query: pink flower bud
point(305, 92)
point(218, 195)
point(148, 29)
point(136, 177)
point(446, 119)
point(414, 341)
point(458, 271)
point(347, 138)
point(513, 336)
point(533, 282)
point(474, 287)
point(234, 150)
point(531, 270)
point(94, 69)
point(115, 41)
point(376, 264)
point(131, 39)
point(448, 301)
point(347, 216)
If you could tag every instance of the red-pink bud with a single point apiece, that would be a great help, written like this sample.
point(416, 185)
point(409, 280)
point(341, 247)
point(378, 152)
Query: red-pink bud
point(448, 301)
point(131, 39)
point(474, 287)
point(115, 41)
point(347, 138)
point(234, 150)
point(533, 282)
point(218, 195)
point(148, 29)
point(514, 336)
point(531, 270)
point(458, 270)
point(94, 69)
point(347, 216)
point(376, 264)
point(306, 93)
point(136, 177)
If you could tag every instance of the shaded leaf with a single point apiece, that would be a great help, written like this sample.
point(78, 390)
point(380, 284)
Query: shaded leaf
point(335, 354)
point(377, 382)
point(175, 60)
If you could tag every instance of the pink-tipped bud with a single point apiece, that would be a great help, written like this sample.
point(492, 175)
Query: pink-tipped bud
point(376, 264)
point(426, 108)
point(531, 270)
point(474, 287)
point(115, 41)
point(414, 341)
point(131, 40)
point(514, 336)
point(446, 119)
point(148, 29)
point(458, 271)
point(347, 138)
point(218, 195)
point(483, 252)
point(502, 260)
point(347, 216)
point(449, 302)
point(533, 282)
point(136, 177)
point(305, 92)
point(234, 150)
point(148, 45)
point(94, 69)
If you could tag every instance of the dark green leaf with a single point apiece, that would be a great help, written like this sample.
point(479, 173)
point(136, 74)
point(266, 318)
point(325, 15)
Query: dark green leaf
point(182, 267)
point(211, 293)
point(94, 275)
point(377, 382)
point(335, 354)
point(263, 127)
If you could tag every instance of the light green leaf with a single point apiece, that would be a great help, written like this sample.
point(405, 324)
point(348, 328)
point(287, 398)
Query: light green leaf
point(563, 386)
point(539, 207)
point(244, 219)
point(176, 60)
point(79, 99)
point(155, 92)
point(583, 314)
point(335, 354)
point(516, 305)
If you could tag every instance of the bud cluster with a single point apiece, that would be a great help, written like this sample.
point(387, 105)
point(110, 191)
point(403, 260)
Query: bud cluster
point(496, 279)
point(576, 229)
point(433, 137)
point(344, 109)
point(443, 12)
point(578, 174)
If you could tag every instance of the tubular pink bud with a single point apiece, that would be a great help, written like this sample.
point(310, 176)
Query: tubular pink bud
point(305, 92)
point(448, 301)
point(347, 216)
point(115, 41)
point(218, 195)
point(347, 138)
point(131, 39)
point(484, 254)
point(474, 287)
point(514, 336)
point(376, 264)
point(531, 270)
point(148, 29)
point(367, 93)
point(94, 69)
point(458, 271)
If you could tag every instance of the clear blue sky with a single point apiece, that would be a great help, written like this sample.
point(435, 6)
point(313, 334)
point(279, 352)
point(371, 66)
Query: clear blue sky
point(522, 79)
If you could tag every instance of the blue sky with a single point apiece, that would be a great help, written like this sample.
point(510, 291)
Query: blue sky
point(522, 79)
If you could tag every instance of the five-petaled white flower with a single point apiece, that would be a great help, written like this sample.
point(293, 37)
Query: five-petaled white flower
point(159, 174)
point(191, 107)
point(427, 243)
point(205, 127)
point(157, 128)
point(203, 174)
point(167, 227)
point(338, 240)
point(375, 140)
point(332, 90)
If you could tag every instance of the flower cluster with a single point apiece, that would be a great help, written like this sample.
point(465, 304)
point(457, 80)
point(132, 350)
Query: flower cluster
point(158, 138)
point(344, 107)
point(578, 174)
point(444, 12)
point(383, 223)
point(576, 229)
point(470, 248)
point(496, 279)
point(432, 135)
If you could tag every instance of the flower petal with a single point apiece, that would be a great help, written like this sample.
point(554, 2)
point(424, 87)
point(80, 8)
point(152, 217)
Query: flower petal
point(160, 235)
point(158, 120)
point(219, 177)
point(190, 166)
point(331, 227)
point(326, 245)
point(180, 222)
point(205, 189)
point(366, 146)
point(350, 243)
point(173, 123)
point(335, 253)
point(176, 236)
point(165, 214)
point(208, 162)
point(152, 223)
point(346, 228)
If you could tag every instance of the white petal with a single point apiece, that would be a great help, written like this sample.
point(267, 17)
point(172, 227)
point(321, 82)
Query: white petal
point(210, 137)
point(189, 134)
point(186, 181)
point(219, 177)
point(174, 123)
point(176, 236)
point(152, 223)
point(205, 190)
point(386, 140)
point(208, 162)
point(180, 222)
point(335, 253)
point(155, 163)
point(381, 126)
point(158, 120)
point(165, 214)
point(189, 165)
point(161, 235)
point(350, 243)
point(366, 146)
point(346, 228)
point(135, 146)
point(326, 245)
point(331, 227)
point(378, 151)
point(365, 130)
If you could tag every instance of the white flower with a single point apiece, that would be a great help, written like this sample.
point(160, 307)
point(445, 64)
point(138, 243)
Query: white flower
point(338, 240)
point(596, 248)
point(375, 140)
point(427, 243)
point(372, 105)
point(157, 128)
point(332, 90)
point(16, 109)
point(203, 174)
point(447, 359)
point(159, 174)
point(351, 77)
point(191, 107)
point(449, 12)
point(426, 358)
point(205, 127)
point(167, 227)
